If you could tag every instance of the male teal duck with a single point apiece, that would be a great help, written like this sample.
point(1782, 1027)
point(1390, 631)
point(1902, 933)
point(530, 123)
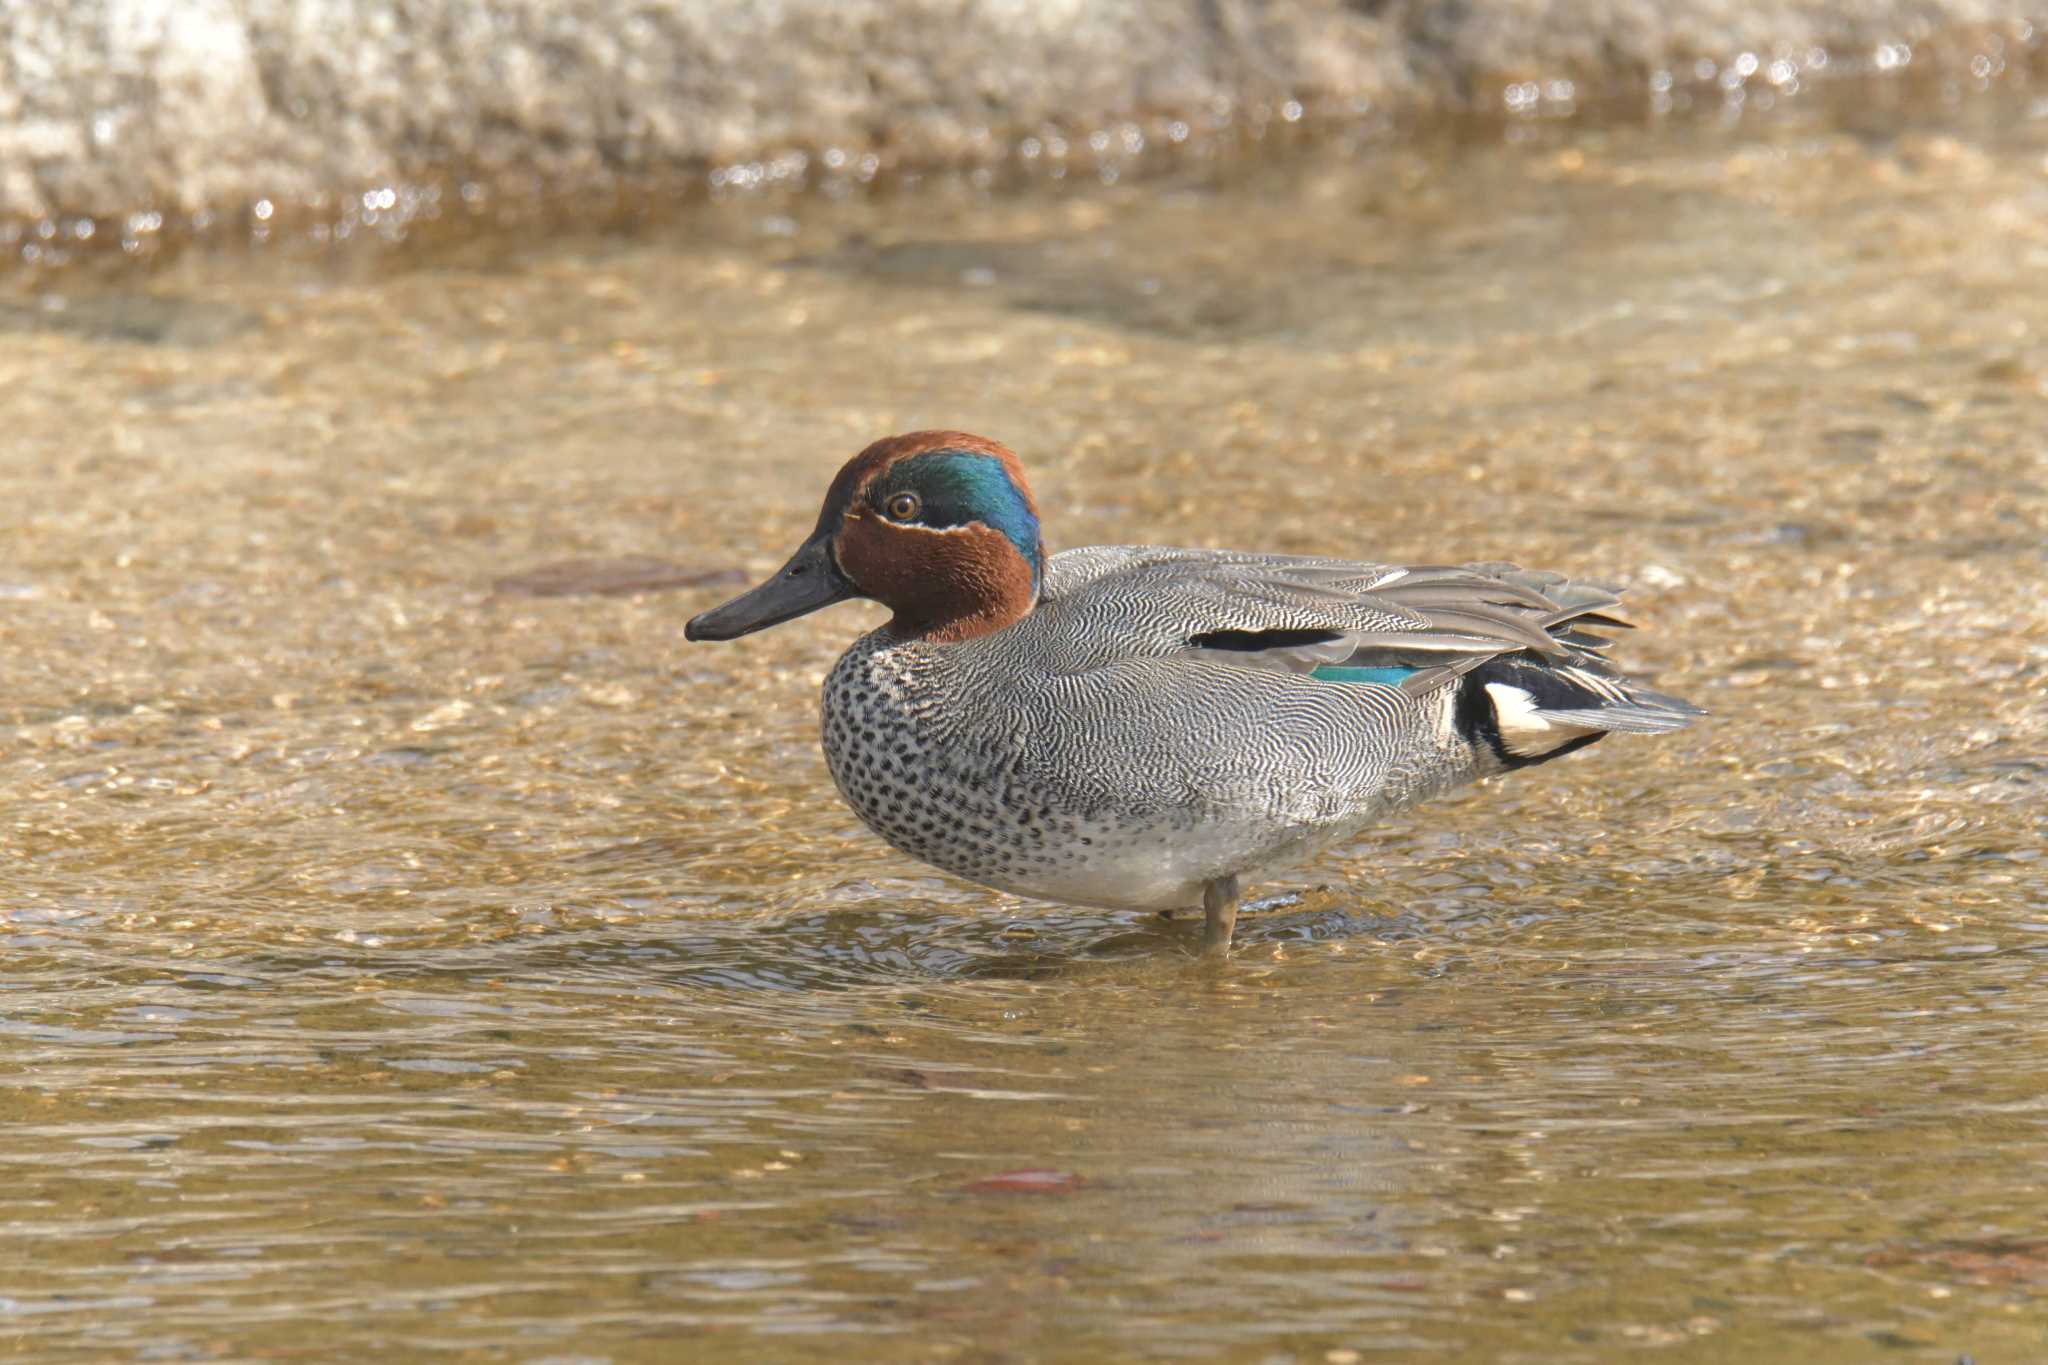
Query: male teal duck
point(1137, 727)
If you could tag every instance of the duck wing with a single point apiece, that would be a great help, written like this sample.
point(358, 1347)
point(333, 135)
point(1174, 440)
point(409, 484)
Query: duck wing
point(1416, 627)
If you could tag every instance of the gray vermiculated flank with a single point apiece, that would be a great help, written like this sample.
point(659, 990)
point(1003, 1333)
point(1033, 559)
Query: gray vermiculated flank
point(115, 106)
point(1087, 754)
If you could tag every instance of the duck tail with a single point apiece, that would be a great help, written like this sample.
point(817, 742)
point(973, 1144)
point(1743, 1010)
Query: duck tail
point(1525, 709)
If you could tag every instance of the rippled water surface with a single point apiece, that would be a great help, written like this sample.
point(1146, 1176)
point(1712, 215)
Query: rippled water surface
point(413, 946)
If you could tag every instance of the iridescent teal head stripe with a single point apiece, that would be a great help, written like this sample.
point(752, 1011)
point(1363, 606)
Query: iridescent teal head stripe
point(958, 487)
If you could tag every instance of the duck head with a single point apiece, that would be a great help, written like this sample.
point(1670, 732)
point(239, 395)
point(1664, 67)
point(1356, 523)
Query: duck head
point(937, 526)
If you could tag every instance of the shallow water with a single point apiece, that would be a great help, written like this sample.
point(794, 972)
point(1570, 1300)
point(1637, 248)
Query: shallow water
point(402, 960)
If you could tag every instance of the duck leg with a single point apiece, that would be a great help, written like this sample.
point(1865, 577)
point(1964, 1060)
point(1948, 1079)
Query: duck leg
point(1219, 914)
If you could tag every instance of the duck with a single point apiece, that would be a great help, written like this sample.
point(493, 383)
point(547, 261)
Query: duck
point(1141, 727)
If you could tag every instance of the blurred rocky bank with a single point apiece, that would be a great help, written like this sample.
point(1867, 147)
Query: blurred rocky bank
point(111, 109)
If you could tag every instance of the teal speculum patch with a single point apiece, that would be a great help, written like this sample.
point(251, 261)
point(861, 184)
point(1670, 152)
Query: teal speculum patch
point(1390, 676)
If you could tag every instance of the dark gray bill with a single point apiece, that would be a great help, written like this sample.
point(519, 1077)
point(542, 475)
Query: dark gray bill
point(809, 581)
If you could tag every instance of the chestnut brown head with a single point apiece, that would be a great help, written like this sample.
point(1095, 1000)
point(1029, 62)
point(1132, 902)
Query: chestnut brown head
point(938, 526)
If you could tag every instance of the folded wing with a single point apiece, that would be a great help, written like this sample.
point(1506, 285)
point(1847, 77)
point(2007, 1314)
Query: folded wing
point(1526, 640)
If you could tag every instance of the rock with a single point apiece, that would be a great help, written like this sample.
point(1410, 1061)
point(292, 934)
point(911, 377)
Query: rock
point(112, 108)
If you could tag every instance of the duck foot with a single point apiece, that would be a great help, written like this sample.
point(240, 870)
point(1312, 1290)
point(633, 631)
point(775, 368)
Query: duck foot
point(1219, 915)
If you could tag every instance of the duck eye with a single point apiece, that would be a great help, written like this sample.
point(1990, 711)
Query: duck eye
point(902, 507)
